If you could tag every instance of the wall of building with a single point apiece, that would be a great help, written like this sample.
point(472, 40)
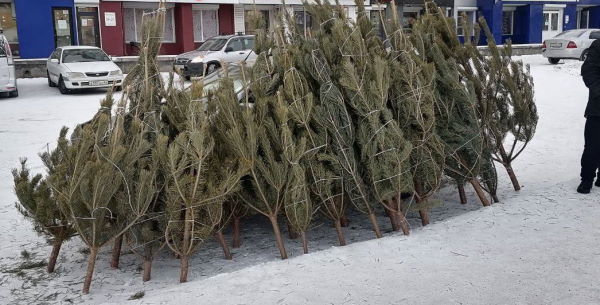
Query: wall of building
point(35, 26)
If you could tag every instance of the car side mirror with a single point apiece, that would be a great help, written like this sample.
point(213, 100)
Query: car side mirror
point(228, 49)
point(54, 60)
point(110, 57)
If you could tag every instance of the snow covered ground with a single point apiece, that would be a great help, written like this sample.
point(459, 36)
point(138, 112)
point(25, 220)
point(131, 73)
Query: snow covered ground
point(538, 246)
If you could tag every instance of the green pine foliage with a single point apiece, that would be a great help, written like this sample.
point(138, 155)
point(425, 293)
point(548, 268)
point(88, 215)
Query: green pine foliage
point(36, 202)
point(328, 121)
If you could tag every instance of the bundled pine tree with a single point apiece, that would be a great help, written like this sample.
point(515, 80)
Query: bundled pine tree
point(506, 101)
point(457, 122)
point(414, 103)
point(37, 202)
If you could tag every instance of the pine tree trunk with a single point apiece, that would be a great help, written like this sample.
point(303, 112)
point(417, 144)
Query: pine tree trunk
point(292, 234)
point(462, 194)
point(90, 270)
point(344, 221)
point(480, 192)
point(340, 233)
point(56, 244)
point(278, 237)
point(185, 266)
point(147, 270)
point(116, 252)
point(235, 228)
point(423, 213)
point(400, 218)
point(513, 177)
point(375, 225)
point(393, 218)
point(219, 236)
point(508, 166)
point(304, 242)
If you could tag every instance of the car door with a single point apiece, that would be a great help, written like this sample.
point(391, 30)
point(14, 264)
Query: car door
point(234, 51)
point(5, 61)
point(249, 54)
point(54, 67)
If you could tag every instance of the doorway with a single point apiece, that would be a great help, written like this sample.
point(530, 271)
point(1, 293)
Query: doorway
point(552, 24)
point(63, 31)
point(88, 30)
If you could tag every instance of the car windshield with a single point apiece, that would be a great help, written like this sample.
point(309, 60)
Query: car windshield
point(212, 44)
point(570, 34)
point(84, 55)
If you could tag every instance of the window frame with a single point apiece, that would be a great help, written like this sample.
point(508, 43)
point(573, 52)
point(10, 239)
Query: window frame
point(201, 9)
point(512, 22)
point(135, 29)
point(467, 11)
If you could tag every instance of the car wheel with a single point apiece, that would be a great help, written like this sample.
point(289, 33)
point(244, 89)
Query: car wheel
point(50, 82)
point(584, 55)
point(61, 86)
point(14, 93)
point(553, 60)
point(188, 78)
point(212, 67)
point(118, 88)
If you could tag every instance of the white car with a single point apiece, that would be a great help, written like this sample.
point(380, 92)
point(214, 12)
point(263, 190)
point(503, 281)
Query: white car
point(8, 81)
point(214, 51)
point(81, 67)
point(572, 44)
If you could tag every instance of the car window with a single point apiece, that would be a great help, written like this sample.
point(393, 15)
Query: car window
point(212, 44)
point(595, 35)
point(84, 55)
point(571, 34)
point(249, 43)
point(236, 44)
point(55, 54)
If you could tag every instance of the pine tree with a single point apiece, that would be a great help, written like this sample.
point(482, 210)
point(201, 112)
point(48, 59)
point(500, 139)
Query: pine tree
point(37, 203)
point(507, 102)
point(457, 121)
point(414, 103)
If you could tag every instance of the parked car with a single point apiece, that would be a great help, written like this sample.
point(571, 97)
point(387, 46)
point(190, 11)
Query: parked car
point(8, 80)
point(81, 67)
point(214, 51)
point(572, 44)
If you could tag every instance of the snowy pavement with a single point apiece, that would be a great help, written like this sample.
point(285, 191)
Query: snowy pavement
point(538, 246)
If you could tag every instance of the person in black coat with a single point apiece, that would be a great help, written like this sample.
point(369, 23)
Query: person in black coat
point(590, 160)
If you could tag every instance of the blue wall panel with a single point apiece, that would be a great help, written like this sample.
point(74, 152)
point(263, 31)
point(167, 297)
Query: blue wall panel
point(35, 26)
point(492, 12)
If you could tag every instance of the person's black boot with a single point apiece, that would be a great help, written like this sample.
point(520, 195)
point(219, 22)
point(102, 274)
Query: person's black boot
point(585, 187)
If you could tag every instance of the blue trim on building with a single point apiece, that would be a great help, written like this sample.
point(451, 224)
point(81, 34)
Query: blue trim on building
point(35, 26)
point(528, 17)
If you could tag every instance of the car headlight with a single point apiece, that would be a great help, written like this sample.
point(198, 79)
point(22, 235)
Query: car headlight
point(116, 73)
point(197, 59)
point(70, 75)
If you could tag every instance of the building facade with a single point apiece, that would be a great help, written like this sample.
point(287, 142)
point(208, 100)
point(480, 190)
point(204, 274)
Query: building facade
point(36, 27)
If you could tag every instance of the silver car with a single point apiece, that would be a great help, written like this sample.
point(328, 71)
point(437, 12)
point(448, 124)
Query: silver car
point(213, 52)
point(572, 44)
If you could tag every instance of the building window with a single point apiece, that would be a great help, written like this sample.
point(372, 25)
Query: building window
point(583, 18)
point(8, 22)
point(303, 21)
point(206, 24)
point(250, 25)
point(507, 22)
point(465, 19)
point(550, 21)
point(409, 18)
point(376, 16)
point(132, 21)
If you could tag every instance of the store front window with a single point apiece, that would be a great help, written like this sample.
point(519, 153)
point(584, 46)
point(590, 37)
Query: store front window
point(465, 22)
point(8, 24)
point(133, 17)
point(206, 24)
point(249, 23)
point(303, 21)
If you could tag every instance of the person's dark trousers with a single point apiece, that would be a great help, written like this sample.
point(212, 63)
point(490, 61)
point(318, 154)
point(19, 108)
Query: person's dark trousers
point(591, 151)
